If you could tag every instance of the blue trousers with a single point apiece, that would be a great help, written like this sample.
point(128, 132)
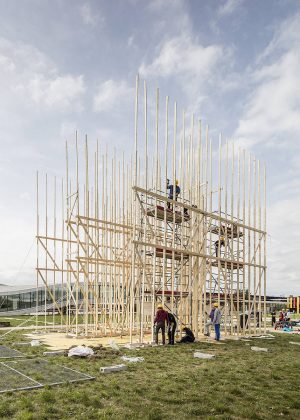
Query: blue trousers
point(217, 331)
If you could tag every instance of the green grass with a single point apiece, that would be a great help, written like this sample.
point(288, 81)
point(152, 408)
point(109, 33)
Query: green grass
point(31, 320)
point(171, 384)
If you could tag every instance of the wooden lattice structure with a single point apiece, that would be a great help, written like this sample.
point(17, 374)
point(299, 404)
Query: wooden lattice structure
point(120, 243)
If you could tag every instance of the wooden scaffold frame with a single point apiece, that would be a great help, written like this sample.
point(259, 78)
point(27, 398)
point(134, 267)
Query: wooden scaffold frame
point(126, 239)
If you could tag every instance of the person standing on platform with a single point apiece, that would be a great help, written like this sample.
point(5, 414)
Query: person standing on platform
point(218, 244)
point(171, 328)
point(173, 195)
point(217, 321)
point(160, 321)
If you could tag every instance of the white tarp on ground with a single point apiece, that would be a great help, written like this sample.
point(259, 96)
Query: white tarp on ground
point(80, 351)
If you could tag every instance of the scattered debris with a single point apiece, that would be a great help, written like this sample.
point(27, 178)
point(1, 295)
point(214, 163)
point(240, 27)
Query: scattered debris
point(200, 355)
point(263, 336)
point(132, 359)
point(80, 351)
point(245, 340)
point(115, 368)
point(55, 353)
point(254, 348)
point(294, 342)
point(35, 343)
point(266, 337)
point(132, 346)
point(113, 345)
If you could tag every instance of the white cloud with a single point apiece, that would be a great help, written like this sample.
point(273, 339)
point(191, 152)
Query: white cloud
point(89, 17)
point(60, 91)
point(159, 5)
point(283, 252)
point(183, 56)
point(110, 93)
point(229, 7)
point(271, 120)
point(272, 111)
point(68, 129)
point(28, 77)
point(130, 41)
point(17, 239)
point(171, 18)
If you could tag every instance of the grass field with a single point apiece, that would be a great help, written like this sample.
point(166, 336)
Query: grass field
point(171, 384)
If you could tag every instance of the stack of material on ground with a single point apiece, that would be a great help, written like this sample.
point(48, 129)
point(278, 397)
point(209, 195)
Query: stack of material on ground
point(263, 349)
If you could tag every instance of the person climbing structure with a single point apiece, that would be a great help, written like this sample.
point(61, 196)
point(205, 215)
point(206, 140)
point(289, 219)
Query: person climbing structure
point(220, 242)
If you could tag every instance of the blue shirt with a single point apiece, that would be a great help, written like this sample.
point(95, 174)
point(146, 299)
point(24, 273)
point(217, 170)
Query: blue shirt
point(171, 188)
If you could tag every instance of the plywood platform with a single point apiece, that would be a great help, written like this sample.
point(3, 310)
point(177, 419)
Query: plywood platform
point(226, 231)
point(161, 213)
point(228, 265)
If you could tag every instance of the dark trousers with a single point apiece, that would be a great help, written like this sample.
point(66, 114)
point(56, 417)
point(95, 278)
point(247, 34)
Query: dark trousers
point(187, 339)
point(171, 197)
point(217, 331)
point(171, 333)
point(160, 326)
point(222, 243)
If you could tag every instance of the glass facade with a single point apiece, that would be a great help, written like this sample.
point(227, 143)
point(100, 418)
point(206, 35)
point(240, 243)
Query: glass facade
point(22, 300)
point(27, 299)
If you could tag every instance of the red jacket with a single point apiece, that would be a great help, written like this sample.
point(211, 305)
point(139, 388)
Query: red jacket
point(161, 317)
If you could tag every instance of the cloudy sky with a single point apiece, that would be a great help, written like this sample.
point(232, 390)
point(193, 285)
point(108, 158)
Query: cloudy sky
point(70, 65)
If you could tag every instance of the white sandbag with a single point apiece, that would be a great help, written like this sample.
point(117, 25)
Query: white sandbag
point(132, 359)
point(35, 343)
point(200, 355)
point(81, 351)
point(115, 368)
point(254, 348)
point(266, 337)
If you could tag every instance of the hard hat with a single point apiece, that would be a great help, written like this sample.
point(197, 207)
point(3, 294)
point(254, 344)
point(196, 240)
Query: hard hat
point(159, 306)
point(216, 304)
point(177, 182)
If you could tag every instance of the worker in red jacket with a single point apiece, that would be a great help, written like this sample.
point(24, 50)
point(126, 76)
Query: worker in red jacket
point(281, 315)
point(160, 321)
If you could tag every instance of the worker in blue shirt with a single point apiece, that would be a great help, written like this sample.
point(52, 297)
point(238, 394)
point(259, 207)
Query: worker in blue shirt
point(171, 195)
